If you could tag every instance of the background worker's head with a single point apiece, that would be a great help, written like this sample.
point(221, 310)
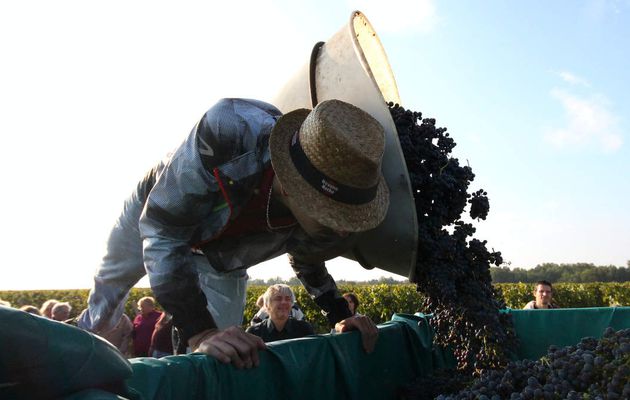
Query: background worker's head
point(61, 311)
point(278, 301)
point(328, 163)
point(46, 308)
point(146, 305)
point(30, 309)
point(353, 302)
point(260, 302)
point(543, 292)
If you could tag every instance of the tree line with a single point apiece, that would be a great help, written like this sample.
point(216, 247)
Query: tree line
point(570, 273)
point(576, 273)
point(293, 281)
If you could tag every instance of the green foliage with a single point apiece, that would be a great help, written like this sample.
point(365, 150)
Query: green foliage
point(76, 298)
point(616, 294)
point(516, 295)
point(378, 301)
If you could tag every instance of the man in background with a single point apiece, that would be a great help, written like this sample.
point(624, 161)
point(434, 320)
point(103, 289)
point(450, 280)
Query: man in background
point(278, 301)
point(61, 311)
point(543, 294)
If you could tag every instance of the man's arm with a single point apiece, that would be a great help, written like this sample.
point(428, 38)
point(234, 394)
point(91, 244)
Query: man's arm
point(180, 207)
point(182, 198)
point(323, 289)
point(127, 329)
point(174, 281)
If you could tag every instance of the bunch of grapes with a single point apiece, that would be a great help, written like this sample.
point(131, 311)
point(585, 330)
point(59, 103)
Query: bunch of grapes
point(453, 269)
point(592, 369)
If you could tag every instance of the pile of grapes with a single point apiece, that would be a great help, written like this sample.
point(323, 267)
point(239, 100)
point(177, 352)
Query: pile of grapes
point(453, 269)
point(592, 369)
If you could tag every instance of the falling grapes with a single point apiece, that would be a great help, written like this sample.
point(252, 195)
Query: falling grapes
point(453, 268)
point(479, 205)
point(453, 272)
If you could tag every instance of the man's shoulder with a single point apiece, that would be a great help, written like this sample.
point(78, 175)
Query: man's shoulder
point(530, 306)
point(240, 104)
point(237, 109)
point(233, 127)
point(301, 325)
point(257, 328)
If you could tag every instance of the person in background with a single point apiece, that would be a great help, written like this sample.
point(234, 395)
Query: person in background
point(162, 340)
point(543, 294)
point(4, 303)
point(120, 335)
point(31, 309)
point(353, 302)
point(262, 313)
point(46, 308)
point(260, 302)
point(143, 326)
point(61, 311)
point(278, 300)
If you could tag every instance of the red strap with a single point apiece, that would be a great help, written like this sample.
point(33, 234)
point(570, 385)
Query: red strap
point(253, 217)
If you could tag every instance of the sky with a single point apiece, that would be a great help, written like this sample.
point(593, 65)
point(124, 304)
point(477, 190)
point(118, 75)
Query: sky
point(94, 93)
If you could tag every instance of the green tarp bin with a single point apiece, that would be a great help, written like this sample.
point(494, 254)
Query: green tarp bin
point(331, 366)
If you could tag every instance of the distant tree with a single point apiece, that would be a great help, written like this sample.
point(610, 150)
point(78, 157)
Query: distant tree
point(294, 281)
point(273, 281)
point(577, 272)
point(385, 281)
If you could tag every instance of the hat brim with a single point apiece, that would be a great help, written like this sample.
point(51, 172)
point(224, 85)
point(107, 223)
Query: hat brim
point(323, 209)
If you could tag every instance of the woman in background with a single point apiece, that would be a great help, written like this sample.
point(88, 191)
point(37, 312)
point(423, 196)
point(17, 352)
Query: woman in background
point(353, 302)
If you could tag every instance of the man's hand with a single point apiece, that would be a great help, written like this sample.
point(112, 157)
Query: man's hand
point(232, 345)
point(369, 331)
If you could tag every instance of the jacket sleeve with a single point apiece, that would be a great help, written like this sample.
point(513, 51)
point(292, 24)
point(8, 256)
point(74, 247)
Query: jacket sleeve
point(322, 289)
point(181, 200)
point(306, 259)
point(182, 207)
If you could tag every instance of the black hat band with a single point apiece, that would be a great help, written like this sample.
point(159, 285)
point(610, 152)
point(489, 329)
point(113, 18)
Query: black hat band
point(324, 184)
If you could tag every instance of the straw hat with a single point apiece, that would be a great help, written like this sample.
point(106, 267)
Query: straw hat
point(329, 161)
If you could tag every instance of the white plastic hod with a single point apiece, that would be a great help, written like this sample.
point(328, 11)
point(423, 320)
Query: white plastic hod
point(352, 66)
